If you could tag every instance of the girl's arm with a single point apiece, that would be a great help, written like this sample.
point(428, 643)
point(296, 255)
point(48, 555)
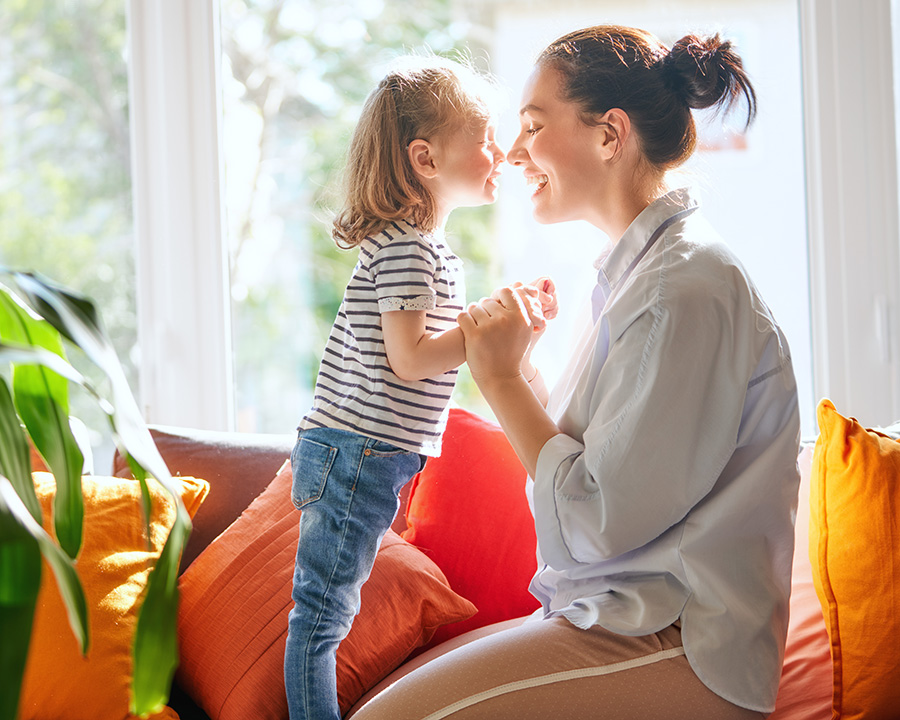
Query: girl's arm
point(413, 352)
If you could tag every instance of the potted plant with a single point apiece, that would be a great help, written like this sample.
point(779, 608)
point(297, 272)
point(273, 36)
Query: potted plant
point(37, 320)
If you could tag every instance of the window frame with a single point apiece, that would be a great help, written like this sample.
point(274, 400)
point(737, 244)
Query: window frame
point(183, 298)
point(184, 324)
point(852, 204)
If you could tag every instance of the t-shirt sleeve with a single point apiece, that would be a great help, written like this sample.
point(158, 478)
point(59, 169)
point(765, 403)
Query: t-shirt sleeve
point(404, 274)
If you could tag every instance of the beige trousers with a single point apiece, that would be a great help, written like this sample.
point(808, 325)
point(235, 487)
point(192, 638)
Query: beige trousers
point(548, 669)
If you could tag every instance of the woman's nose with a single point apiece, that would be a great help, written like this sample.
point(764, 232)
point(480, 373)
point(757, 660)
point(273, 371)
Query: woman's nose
point(516, 155)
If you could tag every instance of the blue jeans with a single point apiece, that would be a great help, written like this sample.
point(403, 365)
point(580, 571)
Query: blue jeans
point(347, 487)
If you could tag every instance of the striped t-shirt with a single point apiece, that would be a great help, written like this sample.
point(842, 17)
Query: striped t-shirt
point(401, 268)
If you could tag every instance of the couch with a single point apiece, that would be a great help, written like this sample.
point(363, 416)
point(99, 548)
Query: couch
point(458, 558)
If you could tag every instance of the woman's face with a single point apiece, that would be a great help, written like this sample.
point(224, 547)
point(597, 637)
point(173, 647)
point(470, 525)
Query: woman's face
point(557, 152)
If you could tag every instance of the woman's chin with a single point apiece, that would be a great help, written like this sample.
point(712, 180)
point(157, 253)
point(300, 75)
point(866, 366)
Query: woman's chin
point(543, 214)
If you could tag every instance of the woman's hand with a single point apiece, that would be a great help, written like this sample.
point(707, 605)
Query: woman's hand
point(499, 331)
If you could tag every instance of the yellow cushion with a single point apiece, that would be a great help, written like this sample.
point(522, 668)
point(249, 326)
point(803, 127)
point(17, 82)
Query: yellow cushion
point(855, 554)
point(113, 565)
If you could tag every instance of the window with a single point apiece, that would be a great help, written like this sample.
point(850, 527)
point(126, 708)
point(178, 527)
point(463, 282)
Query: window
point(65, 177)
point(849, 181)
point(295, 76)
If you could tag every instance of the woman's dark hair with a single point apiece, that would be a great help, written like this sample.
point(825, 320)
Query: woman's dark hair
point(609, 66)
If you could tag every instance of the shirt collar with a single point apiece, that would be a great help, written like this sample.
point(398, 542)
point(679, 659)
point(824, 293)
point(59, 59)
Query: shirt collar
point(617, 261)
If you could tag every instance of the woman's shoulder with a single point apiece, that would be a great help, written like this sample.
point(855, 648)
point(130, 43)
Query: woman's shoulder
point(698, 257)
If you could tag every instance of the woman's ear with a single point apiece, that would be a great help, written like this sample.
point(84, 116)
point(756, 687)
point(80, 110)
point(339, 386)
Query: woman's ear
point(614, 128)
point(421, 157)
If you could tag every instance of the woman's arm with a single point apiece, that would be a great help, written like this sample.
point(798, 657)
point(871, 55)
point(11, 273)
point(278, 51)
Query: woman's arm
point(413, 352)
point(498, 333)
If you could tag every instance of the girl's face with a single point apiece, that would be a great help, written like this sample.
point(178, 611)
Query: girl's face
point(557, 152)
point(469, 161)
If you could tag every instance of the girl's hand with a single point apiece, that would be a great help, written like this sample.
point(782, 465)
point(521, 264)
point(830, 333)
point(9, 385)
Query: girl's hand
point(499, 331)
point(549, 302)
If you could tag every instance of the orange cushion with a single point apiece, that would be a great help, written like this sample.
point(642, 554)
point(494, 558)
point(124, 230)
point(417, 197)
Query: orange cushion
point(235, 600)
point(468, 511)
point(37, 462)
point(113, 565)
point(855, 553)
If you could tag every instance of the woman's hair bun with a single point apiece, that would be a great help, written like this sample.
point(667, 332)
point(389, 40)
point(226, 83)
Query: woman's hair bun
point(707, 71)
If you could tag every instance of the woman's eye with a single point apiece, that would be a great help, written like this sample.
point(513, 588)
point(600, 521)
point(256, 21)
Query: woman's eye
point(531, 130)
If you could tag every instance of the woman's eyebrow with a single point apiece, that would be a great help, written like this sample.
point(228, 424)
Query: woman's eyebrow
point(530, 108)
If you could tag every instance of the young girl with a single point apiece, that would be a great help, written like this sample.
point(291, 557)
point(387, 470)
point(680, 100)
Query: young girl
point(424, 145)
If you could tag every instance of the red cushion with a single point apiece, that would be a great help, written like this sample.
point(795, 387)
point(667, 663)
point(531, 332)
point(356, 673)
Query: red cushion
point(805, 689)
point(468, 512)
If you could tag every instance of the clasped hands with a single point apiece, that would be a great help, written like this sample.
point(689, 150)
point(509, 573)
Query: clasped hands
point(500, 331)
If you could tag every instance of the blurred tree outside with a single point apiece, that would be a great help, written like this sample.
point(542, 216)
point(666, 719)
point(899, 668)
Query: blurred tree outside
point(65, 178)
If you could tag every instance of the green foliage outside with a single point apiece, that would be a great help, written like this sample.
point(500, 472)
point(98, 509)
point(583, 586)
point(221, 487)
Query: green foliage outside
point(65, 192)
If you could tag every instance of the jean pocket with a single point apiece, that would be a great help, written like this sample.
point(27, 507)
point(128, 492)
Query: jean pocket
point(311, 462)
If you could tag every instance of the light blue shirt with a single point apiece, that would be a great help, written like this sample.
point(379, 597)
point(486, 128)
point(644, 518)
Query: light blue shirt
point(672, 490)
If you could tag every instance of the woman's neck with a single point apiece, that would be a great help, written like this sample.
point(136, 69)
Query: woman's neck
point(626, 200)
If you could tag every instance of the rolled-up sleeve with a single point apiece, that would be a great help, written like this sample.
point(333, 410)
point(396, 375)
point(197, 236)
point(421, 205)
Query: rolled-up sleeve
point(664, 416)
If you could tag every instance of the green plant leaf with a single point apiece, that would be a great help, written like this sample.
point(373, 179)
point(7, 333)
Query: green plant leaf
point(15, 458)
point(155, 645)
point(41, 398)
point(22, 542)
point(20, 580)
point(155, 642)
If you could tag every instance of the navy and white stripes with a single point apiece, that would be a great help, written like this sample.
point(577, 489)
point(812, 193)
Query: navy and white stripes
point(399, 269)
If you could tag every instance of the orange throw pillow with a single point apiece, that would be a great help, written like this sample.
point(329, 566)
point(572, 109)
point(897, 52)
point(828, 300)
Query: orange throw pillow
point(235, 599)
point(468, 512)
point(854, 549)
point(113, 565)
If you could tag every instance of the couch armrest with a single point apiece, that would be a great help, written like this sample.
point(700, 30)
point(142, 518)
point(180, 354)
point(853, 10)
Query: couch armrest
point(237, 466)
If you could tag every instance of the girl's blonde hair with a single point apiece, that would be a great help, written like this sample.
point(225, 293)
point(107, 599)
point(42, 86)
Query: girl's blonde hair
point(422, 98)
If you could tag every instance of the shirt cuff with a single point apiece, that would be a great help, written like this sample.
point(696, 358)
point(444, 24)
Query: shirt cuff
point(422, 302)
point(555, 459)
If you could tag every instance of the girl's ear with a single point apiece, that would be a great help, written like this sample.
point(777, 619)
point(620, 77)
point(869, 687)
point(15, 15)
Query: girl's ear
point(614, 129)
point(421, 157)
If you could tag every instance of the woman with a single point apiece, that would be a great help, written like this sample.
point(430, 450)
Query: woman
point(664, 467)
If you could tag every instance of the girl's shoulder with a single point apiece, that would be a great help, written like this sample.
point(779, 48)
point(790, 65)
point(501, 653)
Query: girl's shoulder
point(399, 237)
